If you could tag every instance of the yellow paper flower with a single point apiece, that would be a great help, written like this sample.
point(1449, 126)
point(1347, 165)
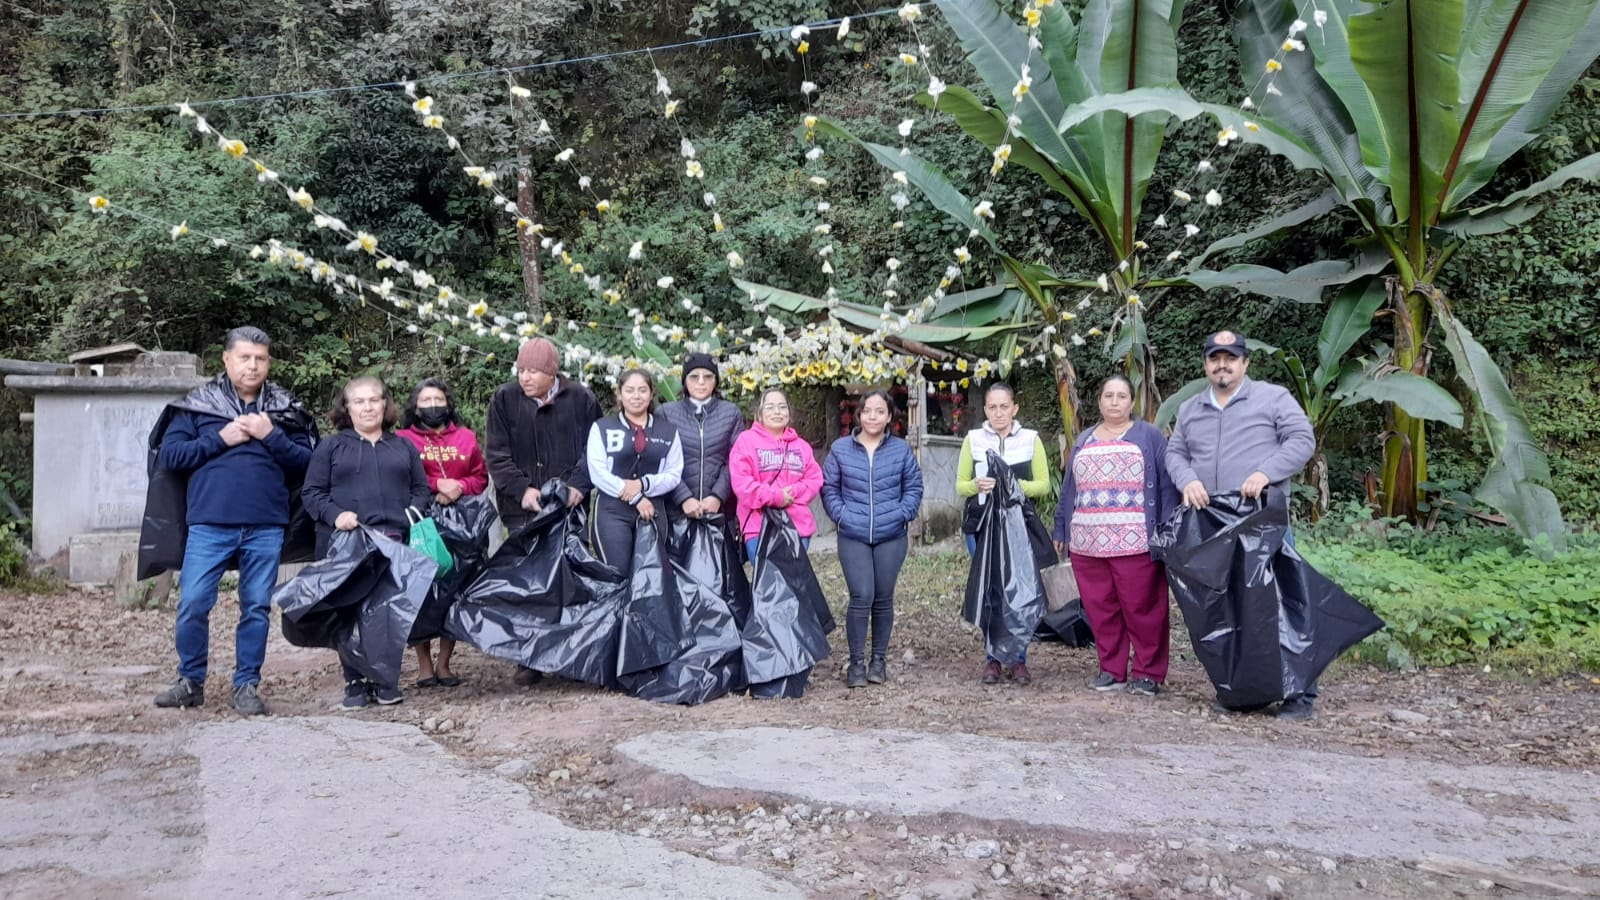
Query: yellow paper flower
point(1032, 15)
point(524, 224)
point(433, 121)
point(478, 310)
point(716, 222)
point(179, 230)
point(233, 148)
point(804, 48)
point(576, 269)
point(671, 109)
point(603, 207)
point(367, 242)
point(1273, 65)
point(302, 197)
point(99, 204)
point(908, 59)
point(423, 105)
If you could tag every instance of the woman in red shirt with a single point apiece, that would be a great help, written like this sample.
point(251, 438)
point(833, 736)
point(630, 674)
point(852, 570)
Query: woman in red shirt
point(454, 464)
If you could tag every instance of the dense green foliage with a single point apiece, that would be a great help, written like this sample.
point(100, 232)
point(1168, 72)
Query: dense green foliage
point(1465, 594)
point(74, 280)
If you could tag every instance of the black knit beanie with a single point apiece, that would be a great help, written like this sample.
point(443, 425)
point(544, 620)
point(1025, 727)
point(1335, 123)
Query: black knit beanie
point(700, 361)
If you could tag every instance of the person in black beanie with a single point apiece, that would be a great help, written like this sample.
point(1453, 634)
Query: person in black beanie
point(707, 425)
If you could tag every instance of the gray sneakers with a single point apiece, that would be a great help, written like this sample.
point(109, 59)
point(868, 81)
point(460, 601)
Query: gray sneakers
point(247, 701)
point(183, 694)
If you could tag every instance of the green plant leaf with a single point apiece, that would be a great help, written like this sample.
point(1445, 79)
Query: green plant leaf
point(1522, 205)
point(1517, 482)
point(1419, 397)
point(1324, 203)
point(1302, 285)
point(1406, 53)
point(1169, 407)
point(933, 183)
point(1517, 60)
point(868, 318)
point(1349, 318)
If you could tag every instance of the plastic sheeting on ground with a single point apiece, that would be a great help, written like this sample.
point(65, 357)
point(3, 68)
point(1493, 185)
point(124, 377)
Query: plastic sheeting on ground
point(654, 630)
point(544, 602)
point(1263, 622)
point(710, 584)
point(465, 526)
point(1067, 625)
point(361, 600)
point(786, 633)
point(1005, 598)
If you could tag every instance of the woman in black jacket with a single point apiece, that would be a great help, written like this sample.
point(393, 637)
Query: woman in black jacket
point(707, 425)
point(364, 475)
point(634, 460)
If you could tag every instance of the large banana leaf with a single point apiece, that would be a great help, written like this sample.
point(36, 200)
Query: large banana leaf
point(1323, 204)
point(1106, 161)
point(1419, 397)
point(1509, 50)
point(868, 318)
point(1522, 205)
point(1348, 320)
point(1302, 285)
point(1169, 407)
point(1518, 480)
point(1533, 116)
point(933, 183)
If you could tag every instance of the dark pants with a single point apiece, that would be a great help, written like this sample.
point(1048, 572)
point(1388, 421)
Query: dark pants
point(613, 530)
point(870, 572)
point(1125, 600)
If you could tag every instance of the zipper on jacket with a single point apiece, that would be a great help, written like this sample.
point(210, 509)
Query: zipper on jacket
point(872, 502)
point(701, 423)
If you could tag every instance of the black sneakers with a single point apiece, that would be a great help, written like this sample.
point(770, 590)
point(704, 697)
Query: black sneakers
point(1105, 681)
point(1144, 686)
point(877, 671)
point(355, 694)
point(855, 676)
point(183, 694)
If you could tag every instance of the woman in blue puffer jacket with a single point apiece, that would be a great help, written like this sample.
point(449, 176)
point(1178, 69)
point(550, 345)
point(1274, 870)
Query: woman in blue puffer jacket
point(872, 488)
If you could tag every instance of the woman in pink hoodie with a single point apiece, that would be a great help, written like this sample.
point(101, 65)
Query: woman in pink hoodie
point(455, 468)
point(771, 466)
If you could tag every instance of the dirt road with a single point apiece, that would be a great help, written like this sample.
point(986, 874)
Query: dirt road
point(1411, 785)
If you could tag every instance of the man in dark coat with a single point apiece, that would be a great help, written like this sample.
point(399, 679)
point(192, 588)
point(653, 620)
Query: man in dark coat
point(235, 446)
point(538, 431)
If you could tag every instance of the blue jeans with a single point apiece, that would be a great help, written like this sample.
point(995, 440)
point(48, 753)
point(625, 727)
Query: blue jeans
point(751, 544)
point(206, 556)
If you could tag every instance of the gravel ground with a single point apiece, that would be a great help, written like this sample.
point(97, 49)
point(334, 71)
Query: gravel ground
point(77, 674)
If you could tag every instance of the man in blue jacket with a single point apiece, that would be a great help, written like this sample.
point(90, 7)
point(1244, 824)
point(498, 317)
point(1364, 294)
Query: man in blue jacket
point(240, 441)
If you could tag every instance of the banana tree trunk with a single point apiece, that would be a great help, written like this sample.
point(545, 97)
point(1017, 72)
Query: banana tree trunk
point(1405, 451)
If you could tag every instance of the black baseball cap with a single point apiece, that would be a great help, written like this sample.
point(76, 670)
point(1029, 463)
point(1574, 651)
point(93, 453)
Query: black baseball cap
point(1227, 342)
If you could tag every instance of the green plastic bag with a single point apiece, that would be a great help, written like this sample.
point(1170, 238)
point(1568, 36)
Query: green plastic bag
point(425, 539)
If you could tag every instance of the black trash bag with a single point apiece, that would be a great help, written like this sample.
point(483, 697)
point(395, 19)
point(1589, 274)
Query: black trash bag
point(1005, 596)
point(786, 633)
point(465, 526)
point(703, 571)
point(164, 530)
point(1263, 622)
point(538, 603)
point(654, 627)
point(543, 566)
point(361, 599)
point(1067, 625)
point(716, 557)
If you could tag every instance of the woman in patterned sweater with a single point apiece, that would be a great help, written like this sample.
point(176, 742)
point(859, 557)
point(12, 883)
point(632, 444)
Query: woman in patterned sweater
point(1114, 494)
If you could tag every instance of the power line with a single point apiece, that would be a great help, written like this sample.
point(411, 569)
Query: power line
point(428, 79)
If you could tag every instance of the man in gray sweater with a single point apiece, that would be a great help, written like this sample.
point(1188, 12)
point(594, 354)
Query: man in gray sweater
point(1240, 435)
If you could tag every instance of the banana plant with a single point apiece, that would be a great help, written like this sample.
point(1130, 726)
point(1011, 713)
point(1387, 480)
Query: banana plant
point(1408, 108)
point(1336, 382)
point(1102, 165)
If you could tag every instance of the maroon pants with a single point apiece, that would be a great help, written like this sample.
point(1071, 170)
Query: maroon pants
point(1125, 600)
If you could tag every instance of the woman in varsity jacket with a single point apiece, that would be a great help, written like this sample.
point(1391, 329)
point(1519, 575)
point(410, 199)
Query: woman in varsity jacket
point(635, 460)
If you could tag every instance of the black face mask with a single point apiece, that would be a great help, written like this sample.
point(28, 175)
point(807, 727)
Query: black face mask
point(433, 416)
